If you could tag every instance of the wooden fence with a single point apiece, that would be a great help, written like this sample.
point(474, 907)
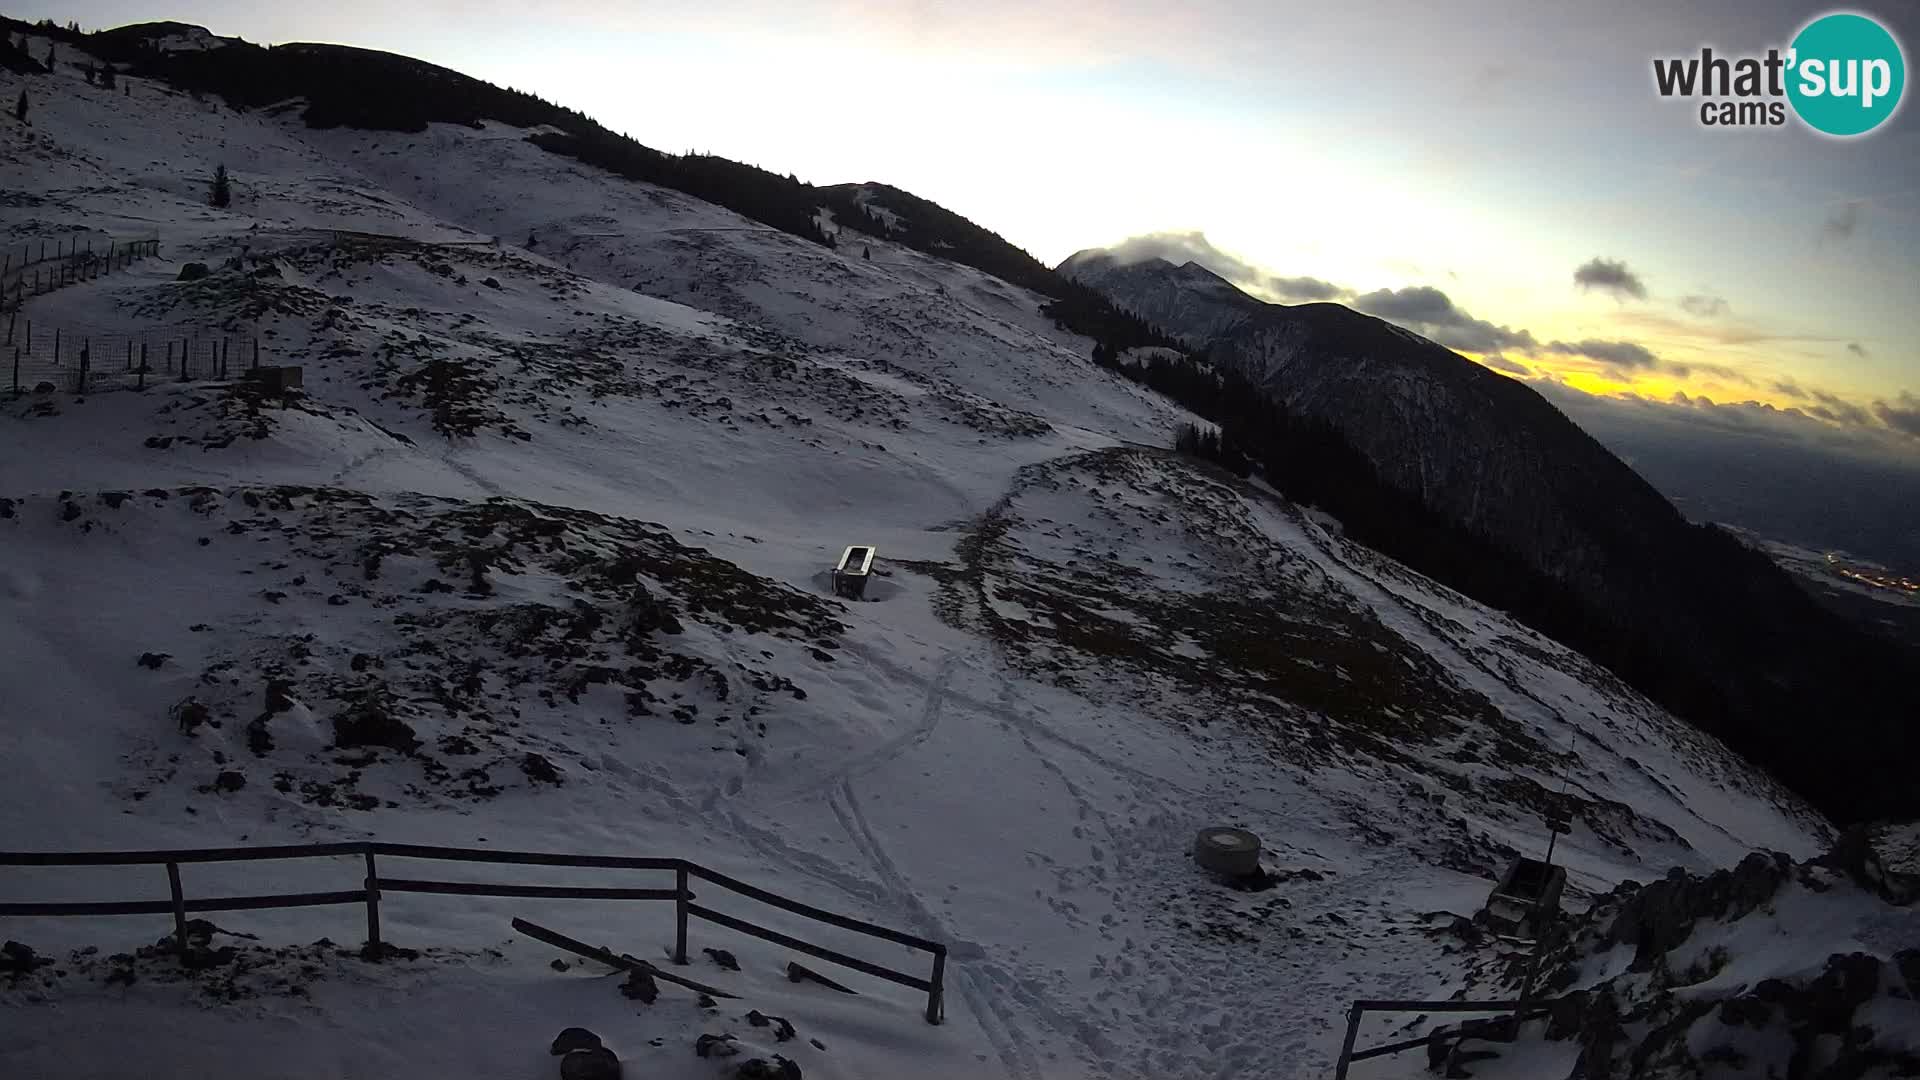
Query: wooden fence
point(374, 885)
point(1516, 1013)
point(69, 263)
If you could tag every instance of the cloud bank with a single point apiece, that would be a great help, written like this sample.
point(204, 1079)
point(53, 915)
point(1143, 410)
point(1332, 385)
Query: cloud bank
point(1609, 276)
point(1180, 248)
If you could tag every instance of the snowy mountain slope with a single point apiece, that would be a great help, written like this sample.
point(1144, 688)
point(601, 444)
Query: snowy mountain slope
point(1188, 300)
point(539, 564)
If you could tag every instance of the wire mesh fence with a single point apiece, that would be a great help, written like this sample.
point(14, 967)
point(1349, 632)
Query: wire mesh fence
point(42, 359)
point(30, 269)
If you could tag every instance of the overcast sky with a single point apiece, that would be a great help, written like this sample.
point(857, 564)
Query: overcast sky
point(1501, 176)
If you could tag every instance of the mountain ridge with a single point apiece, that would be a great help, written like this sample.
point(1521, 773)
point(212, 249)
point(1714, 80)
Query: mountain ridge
point(1687, 613)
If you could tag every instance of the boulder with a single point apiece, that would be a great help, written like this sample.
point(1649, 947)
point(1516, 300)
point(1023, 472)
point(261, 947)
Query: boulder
point(19, 959)
point(597, 1063)
point(193, 271)
point(761, 1069)
point(574, 1038)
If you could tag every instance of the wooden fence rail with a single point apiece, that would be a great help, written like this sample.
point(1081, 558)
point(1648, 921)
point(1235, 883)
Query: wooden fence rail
point(374, 886)
point(1516, 1012)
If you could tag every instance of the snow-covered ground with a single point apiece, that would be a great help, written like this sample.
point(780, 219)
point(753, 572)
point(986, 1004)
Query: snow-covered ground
point(538, 562)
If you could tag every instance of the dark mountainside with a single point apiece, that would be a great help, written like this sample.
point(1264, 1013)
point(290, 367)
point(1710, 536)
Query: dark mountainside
point(1461, 473)
point(1520, 508)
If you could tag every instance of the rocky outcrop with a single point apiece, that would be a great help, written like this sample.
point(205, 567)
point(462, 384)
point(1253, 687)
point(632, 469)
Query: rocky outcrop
point(1841, 1017)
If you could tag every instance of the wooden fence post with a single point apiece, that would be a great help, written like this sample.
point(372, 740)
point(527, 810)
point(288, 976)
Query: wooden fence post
point(179, 910)
point(937, 993)
point(141, 383)
point(680, 915)
point(373, 907)
point(1346, 1048)
point(256, 353)
point(169, 357)
point(16, 372)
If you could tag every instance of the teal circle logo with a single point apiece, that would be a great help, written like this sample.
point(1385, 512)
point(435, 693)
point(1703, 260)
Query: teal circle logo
point(1846, 74)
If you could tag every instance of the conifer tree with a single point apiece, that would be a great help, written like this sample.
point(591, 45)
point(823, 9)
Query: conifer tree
point(221, 195)
point(20, 110)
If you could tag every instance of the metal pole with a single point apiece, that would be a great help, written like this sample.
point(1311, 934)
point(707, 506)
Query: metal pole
point(373, 907)
point(179, 910)
point(1346, 1048)
point(681, 896)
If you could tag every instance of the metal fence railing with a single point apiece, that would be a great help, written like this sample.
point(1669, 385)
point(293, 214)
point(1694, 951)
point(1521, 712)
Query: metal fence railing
point(35, 358)
point(178, 904)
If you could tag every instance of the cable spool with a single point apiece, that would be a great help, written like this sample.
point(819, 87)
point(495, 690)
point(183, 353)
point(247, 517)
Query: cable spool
point(1227, 851)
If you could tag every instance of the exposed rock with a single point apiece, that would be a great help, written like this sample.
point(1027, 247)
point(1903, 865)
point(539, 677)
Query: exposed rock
point(574, 1038)
point(640, 987)
point(189, 713)
point(782, 1029)
point(19, 959)
point(193, 271)
point(711, 1046)
point(723, 958)
point(539, 769)
point(1660, 916)
point(597, 1063)
point(1852, 854)
point(369, 722)
point(229, 781)
point(761, 1069)
point(153, 660)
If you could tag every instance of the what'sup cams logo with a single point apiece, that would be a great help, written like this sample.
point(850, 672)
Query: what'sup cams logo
point(1843, 75)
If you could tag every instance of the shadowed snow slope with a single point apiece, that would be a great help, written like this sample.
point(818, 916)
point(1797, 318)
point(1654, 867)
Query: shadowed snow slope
point(537, 561)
